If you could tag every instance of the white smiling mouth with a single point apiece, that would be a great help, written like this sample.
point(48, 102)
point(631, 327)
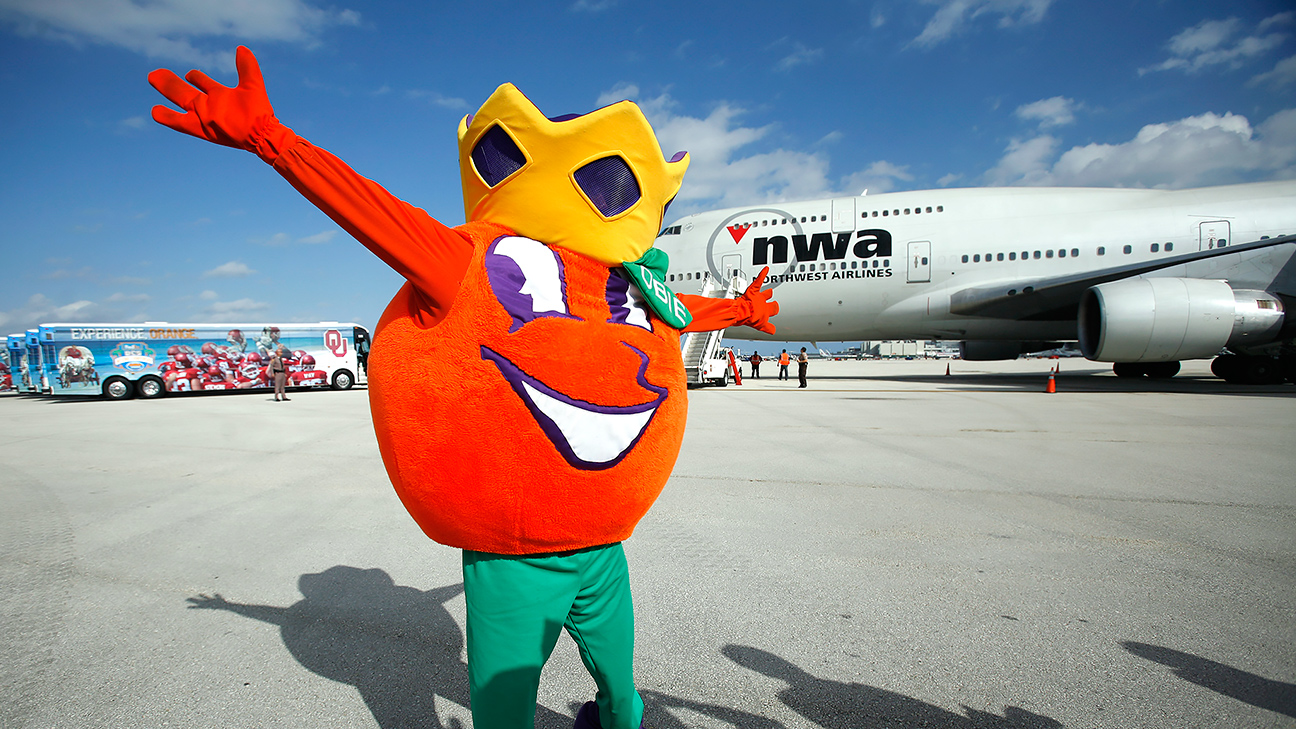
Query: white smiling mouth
point(589, 436)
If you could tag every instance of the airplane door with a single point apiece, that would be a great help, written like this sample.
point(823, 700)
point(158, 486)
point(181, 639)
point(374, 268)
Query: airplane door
point(843, 215)
point(1214, 234)
point(919, 261)
point(730, 266)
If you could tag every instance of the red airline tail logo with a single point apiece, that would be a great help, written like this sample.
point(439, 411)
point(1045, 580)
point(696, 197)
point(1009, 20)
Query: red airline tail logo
point(737, 231)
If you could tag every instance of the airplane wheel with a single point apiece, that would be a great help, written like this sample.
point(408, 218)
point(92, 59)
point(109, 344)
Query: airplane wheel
point(1228, 367)
point(1162, 370)
point(1128, 369)
point(1263, 371)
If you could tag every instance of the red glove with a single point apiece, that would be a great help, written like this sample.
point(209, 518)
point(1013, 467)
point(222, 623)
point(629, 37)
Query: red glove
point(213, 111)
point(755, 307)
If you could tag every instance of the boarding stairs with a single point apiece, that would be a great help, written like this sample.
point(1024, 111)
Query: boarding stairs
point(701, 350)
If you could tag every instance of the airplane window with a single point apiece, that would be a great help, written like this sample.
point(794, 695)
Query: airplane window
point(1169, 247)
point(1075, 252)
point(924, 261)
point(803, 267)
point(875, 213)
point(822, 267)
point(1062, 253)
point(854, 264)
point(875, 263)
point(940, 208)
point(833, 266)
point(1037, 255)
point(1156, 247)
point(1128, 250)
point(688, 276)
point(1012, 255)
point(929, 208)
point(965, 259)
point(886, 213)
point(1048, 254)
point(1102, 251)
point(897, 212)
point(1221, 242)
point(886, 262)
point(670, 277)
point(803, 218)
point(999, 257)
point(906, 211)
point(1025, 255)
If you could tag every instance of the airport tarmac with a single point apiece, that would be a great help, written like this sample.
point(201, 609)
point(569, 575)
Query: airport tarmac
point(889, 547)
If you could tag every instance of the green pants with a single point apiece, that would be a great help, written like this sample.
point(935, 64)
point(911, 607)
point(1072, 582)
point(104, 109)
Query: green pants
point(516, 607)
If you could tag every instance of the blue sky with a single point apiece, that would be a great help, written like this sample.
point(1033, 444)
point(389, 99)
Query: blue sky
point(111, 217)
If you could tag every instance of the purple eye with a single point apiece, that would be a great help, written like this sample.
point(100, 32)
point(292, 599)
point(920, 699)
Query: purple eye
point(527, 278)
point(609, 184)
point(626, 302)
point(496, 156)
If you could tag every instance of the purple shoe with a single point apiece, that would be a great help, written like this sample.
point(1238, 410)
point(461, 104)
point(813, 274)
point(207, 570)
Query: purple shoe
point(588, 717)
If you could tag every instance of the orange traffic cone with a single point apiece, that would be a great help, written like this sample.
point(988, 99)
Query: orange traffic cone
point(1052, 386)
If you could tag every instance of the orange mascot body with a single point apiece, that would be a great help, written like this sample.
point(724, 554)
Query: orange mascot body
point(476, 423)
point(526, 383)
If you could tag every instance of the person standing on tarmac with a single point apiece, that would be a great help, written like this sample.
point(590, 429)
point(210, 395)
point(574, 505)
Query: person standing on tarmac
point(280, 375)
point(784, 360)
point(755, 363)
point(803, 363)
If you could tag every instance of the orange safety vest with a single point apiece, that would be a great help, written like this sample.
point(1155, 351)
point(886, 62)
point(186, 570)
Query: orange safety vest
point(784, 359)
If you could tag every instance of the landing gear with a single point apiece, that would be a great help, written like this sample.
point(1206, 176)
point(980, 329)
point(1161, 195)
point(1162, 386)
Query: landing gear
point(1247, 369)
point(1155, 370)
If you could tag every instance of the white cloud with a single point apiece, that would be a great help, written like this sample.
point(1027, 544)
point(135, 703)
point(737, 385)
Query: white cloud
point(322, 237)
point(879, 177)
point(953, 16)
point(1199, 150)
point(171, 29)
point(233, 268)
point(724, 173)
point(1211, 43)
point(435, 98)
point(1055, 112)
point(40, 309)
point(135, 298)
point(236, 307)
point(1283, 73)
point(949, 179)
point(800, 56)
point(209, 295)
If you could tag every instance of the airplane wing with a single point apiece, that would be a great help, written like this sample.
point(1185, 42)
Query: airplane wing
point(1056, 297)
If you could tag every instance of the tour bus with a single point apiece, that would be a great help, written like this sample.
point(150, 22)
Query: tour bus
point(34, 369)
point(156, 358)
point(9, 375)
point(16, 346)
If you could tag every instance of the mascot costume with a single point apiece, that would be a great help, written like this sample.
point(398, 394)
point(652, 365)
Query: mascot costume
point(526, 383)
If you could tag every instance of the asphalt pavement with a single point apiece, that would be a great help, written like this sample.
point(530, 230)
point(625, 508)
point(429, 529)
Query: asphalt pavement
point(890, 547)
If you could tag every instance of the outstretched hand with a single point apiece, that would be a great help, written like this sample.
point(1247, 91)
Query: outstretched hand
point(213, 111)
point(756, 305)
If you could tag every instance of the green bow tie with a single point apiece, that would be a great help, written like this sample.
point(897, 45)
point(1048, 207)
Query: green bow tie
point(649, 274)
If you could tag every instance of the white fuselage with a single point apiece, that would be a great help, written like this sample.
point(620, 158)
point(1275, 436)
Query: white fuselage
point(884, 266)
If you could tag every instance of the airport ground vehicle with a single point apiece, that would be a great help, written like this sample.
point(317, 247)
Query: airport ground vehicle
point(156, 358)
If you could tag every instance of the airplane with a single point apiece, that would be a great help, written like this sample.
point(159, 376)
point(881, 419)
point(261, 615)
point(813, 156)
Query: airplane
point(1140, 278)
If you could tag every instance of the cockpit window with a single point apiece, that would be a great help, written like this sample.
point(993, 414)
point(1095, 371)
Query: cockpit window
point(673, 230)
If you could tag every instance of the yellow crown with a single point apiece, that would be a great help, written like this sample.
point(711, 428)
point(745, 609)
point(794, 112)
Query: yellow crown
point(596, 184)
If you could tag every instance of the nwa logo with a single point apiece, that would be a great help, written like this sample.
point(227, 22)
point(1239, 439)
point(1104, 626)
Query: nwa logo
point(872, 243)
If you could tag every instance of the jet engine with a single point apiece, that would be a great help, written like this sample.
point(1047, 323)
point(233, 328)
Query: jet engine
point(1171, 319)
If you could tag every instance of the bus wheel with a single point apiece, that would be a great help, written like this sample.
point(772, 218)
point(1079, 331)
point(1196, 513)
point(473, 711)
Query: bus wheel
point(117, 388)
point(342, 380)
point(150, 387)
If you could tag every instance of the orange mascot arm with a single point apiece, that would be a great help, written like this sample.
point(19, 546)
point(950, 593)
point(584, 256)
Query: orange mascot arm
point(752, 309)
point(428, 254)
